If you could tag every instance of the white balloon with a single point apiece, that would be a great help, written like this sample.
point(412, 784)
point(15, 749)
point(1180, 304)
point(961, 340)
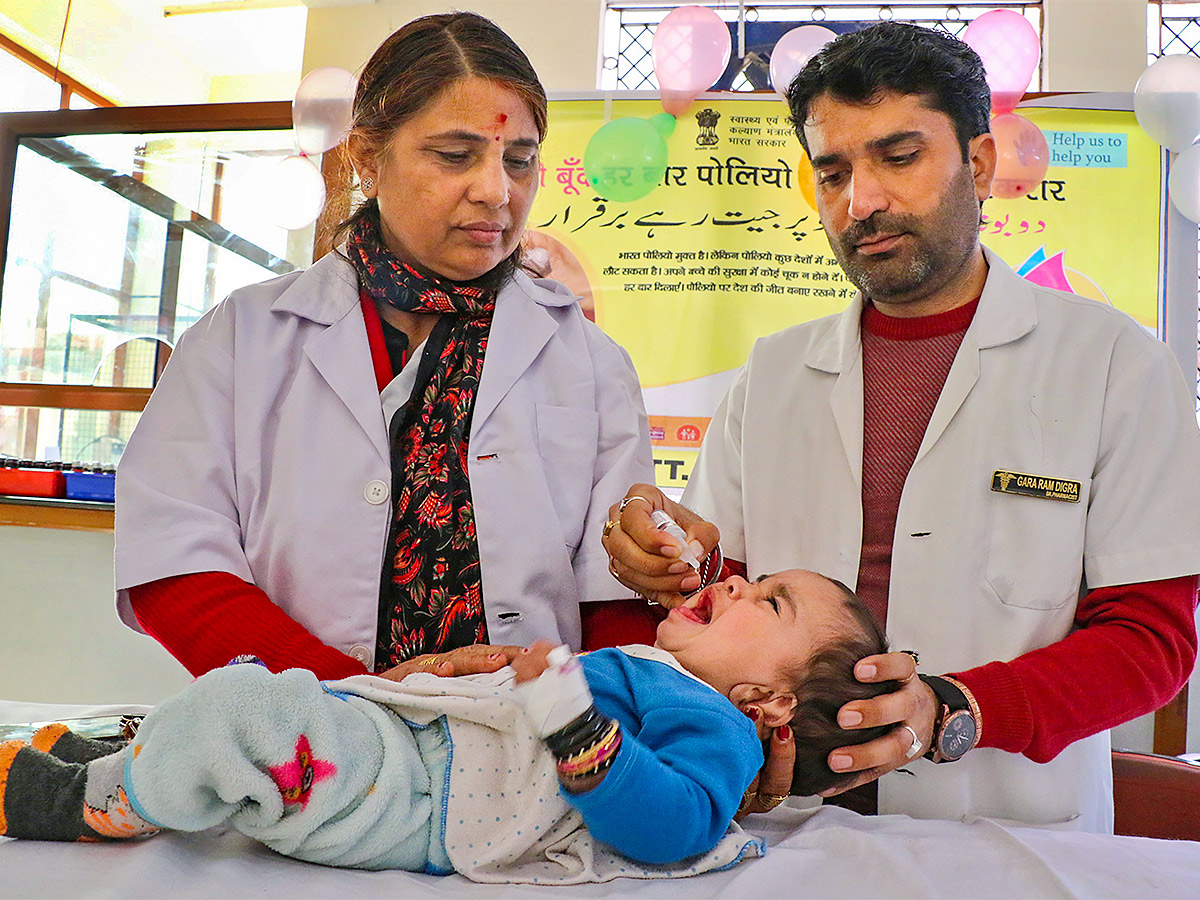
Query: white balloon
point(793, 50)
point(1166, 101)
point(293, 192)
point(1183, 184)
point(322, 110)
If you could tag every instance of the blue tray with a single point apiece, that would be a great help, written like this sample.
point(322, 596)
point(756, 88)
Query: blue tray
point(91, 486)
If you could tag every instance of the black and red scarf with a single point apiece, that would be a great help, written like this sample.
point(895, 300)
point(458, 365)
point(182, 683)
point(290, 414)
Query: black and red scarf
point(431, 595)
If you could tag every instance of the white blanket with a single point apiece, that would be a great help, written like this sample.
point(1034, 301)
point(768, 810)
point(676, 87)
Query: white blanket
point(829, 853)
point(542, 839)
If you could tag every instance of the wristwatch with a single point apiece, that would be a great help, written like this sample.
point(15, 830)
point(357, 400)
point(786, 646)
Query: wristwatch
point(956, 726)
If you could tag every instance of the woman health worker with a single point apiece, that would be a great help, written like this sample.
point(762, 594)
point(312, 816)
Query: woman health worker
point(413, 399)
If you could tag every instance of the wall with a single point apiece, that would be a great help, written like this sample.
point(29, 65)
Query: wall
point(1093, 45)
point(61, 641)
point(560, 37)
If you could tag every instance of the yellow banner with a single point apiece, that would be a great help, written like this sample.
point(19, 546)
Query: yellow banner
point(1095, 218)
point(726, 249)
point(672, 467)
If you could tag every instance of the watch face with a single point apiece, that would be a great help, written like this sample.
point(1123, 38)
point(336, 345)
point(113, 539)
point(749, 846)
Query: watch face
point(957, 735)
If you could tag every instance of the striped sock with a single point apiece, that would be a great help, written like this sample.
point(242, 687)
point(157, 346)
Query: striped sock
point(46, 798)
point(62, 743)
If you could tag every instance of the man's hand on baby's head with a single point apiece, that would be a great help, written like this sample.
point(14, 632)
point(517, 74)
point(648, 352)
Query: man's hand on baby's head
point(910, 710)
point(532, 661)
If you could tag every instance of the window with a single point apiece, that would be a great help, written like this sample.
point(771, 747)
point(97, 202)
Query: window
point(122, 228)
point(629, 34)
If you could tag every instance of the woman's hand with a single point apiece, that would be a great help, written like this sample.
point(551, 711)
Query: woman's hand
point(913, 706)
point(472, 660)
point(773, 784)
point(647, 560)
point(531, 663)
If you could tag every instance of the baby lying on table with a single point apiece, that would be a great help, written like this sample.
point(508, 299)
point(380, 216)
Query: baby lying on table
point(531, 783)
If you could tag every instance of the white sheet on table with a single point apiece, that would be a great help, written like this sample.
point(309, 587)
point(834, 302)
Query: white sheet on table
point(831, 853)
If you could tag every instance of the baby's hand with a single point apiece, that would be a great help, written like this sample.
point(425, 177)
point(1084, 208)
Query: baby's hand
point(532, 662)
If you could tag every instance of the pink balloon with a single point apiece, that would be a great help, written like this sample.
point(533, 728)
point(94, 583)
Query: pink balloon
point(792, 51)
point(1022, 156)
point(321, 112)
point(691, 49)
point(1009, 47)
point(293, 192)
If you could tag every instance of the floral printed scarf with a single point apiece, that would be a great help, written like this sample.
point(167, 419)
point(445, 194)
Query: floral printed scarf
point(431, 596)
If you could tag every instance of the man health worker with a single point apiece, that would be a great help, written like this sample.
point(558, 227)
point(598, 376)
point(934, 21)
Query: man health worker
point(1008, 474)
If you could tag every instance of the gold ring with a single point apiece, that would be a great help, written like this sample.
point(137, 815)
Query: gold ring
point(770, 801)
point(432, 661)
point(608, 527)
point(747, 798)
point(624, 503)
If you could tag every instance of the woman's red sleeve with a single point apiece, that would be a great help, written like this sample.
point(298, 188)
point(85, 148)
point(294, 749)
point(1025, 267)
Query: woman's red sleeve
point(205, 619)
point(611, 623)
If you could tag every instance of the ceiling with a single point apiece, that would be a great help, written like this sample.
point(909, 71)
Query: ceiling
point(170, 51)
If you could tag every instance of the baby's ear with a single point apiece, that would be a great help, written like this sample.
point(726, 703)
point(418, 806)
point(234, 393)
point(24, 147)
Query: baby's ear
point(774, 707)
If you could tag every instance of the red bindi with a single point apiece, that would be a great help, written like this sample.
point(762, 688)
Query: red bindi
point(502, 118)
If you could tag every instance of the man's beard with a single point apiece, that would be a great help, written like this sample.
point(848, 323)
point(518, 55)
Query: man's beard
point(942, 242)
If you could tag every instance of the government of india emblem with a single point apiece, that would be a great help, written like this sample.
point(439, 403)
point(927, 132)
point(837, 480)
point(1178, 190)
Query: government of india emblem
point(708, 127)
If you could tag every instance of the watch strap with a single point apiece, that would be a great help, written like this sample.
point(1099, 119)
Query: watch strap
point(953, 697)
point(972, 703)
point(948, 692)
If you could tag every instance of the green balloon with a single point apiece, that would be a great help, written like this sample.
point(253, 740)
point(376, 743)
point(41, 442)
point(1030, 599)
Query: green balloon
point(627, 158)
point(664, 123)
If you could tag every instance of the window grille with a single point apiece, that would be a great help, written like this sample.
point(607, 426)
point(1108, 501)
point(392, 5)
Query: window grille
point(629, 34)
point(1172, 28)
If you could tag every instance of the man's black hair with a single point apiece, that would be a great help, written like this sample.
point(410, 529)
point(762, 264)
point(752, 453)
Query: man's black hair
point(905, 59)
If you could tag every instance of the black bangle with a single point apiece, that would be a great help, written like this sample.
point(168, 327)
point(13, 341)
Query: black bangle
point(582, 731)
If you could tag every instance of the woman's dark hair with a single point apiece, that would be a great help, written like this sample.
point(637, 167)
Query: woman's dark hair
point(417, 63)
point(825, 683)
point(896, 56)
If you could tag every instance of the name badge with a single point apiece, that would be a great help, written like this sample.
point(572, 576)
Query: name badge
point(1005, 482)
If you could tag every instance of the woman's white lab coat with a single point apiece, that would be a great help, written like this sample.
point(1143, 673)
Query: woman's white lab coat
point(263, 452)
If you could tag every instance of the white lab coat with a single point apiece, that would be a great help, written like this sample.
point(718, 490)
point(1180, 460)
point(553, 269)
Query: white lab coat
point(263, 452)
point(1045, 383)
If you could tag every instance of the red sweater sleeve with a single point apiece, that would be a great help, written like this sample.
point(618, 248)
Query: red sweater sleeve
point(205, 619)
point(611, 623)
point(1133, 650)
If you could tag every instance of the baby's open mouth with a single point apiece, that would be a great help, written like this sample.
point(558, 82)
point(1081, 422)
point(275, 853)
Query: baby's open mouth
point(702, 611)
